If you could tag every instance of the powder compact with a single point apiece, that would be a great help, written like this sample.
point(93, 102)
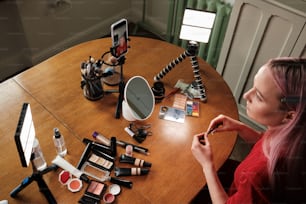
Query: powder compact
point(73, 184)
point(95, 163)
point(93, 193)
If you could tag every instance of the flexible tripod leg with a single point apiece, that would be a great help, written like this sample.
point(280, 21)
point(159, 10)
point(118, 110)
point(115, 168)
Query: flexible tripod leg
point(198, 79)
point(190, 52)
point(170, 66)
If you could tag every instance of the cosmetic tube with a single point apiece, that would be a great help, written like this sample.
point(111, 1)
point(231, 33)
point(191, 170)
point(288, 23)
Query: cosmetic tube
point(120, 182)
point(101, 138)
point(113, 146)
point(135, 161)
point(130, 171)
point(97, 146)
point(61, 162)
point(136, 148)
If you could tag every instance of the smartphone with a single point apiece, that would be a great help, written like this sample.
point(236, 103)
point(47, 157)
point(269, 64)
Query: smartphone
point(119, 33)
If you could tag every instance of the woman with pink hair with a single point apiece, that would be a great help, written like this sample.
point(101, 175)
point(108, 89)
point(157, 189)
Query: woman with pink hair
point(275, 169)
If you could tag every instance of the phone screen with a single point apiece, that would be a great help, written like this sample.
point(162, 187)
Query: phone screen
point(119, 33)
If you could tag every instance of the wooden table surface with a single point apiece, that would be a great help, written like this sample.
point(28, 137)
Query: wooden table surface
point(53, 90)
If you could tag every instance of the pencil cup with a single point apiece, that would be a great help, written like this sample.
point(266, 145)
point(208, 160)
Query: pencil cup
point(92, 87)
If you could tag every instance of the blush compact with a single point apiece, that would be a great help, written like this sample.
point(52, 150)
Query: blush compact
point(93, 193)
point(73, 184)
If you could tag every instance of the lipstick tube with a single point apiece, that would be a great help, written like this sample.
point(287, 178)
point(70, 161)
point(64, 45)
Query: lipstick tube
point(130, 171)
point(135, 161)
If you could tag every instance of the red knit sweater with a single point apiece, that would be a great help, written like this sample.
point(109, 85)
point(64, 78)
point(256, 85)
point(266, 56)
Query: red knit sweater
point(251, 182)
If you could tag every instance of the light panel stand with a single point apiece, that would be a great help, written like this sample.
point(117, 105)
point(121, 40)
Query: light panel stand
point(191, 52)
point(38, 177)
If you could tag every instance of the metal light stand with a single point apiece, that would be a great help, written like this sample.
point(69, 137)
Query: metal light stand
point(191, 53)
point(38, 177)
point(120, 62)
point(120, 89)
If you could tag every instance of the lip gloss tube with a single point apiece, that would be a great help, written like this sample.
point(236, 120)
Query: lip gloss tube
point(135, 161)
point(130, 171)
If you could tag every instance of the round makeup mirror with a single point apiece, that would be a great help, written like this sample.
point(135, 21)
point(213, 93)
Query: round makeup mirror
point(139, 102)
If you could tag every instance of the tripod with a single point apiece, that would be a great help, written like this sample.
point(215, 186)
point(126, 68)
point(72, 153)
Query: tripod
point(38, 177)
point(191, 53)
point(121, 85)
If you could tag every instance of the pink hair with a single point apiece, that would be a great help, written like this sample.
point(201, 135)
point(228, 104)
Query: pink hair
point(285, 145)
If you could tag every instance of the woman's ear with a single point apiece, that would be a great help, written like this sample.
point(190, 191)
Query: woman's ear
point(289, 116)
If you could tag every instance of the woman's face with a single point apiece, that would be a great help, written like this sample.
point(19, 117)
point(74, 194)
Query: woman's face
point(122, 40)
point(263, 99)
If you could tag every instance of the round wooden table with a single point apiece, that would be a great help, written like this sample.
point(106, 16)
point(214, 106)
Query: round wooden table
point(175, 176)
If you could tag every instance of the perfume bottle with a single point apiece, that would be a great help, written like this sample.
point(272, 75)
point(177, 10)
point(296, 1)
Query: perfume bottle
point(37, 156)
point(59, 143)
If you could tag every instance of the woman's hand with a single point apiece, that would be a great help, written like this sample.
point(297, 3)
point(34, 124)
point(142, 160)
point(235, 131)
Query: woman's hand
point(201, 150)
point(201, 147)
point(224, 123)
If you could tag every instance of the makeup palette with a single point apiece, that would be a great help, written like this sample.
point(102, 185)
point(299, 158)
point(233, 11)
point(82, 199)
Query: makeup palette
point(102, 162)
point(93, 193)
point(95, 163)
point(73, 184)
point(94, 172)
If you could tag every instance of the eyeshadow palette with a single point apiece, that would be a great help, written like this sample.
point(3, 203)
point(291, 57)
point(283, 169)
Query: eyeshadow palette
point(93, 193)
point(100, 161)
point(95, 164)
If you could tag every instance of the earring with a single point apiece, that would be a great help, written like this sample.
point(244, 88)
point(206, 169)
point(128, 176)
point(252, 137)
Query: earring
point(289, 116)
